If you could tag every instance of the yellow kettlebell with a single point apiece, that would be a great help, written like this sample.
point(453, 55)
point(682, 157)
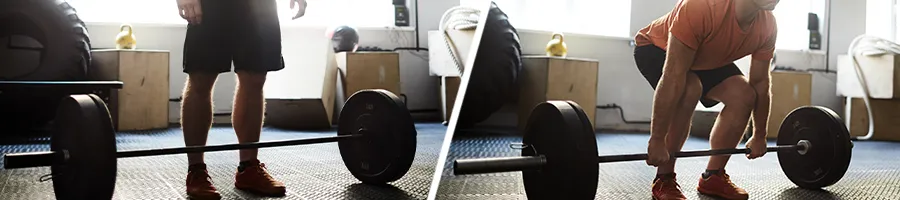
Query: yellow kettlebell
point(125, 39)
point(556, 46)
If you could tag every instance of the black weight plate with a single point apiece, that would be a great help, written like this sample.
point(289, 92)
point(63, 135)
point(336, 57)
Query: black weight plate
point(562, 132)
point(84, 130)
point(388, 147)
point(829, 155)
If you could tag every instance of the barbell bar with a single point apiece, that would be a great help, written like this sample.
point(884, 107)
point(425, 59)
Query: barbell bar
point(376, 137)
point(520, 163)
point(559, 158)
point(47, 158)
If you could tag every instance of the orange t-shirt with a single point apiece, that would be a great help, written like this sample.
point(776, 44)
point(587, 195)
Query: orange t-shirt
point(711, 28)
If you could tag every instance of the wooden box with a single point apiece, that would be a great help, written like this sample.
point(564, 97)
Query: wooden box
point(441, 60)
point(790, 90)
point(369, 70)
point(449, 88)
point(143, 102)
point(552, 78)
point(881, 73)
point(886, 113)
point(292, 109)
point(702, 123)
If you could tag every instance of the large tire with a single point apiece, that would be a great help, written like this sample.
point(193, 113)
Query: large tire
point(497, 66)
point(40, 40)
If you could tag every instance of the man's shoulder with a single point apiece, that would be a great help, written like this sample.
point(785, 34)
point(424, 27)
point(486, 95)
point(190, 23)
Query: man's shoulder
point(771, 23)
point(704, 4)
point(709, 9)
point(697, 5)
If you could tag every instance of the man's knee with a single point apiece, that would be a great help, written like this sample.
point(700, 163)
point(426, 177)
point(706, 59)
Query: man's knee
point(693, 90)
point(251, 79)
point(200, 84)
point(743, 96)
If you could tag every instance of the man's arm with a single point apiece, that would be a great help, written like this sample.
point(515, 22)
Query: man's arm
point(679, 59)
point(760, 73)
point(760, 81)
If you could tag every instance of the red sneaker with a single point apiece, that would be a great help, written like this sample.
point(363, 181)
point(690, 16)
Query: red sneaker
point(199, 184)
point(720, 185)
point(666, 188)
point(255, 179)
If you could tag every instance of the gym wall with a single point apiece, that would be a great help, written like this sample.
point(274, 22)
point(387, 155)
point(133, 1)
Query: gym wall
point(620, 83)
point(421, 89)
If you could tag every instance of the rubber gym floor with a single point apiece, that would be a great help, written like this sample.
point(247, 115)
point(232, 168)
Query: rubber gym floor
point(873, 172)
point(310, 171)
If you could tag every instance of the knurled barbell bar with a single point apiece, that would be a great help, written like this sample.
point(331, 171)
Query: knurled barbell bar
point(376, 137)
point(559, 152)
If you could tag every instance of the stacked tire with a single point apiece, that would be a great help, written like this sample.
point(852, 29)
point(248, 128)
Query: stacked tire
point(493, 80)
point(40, 40)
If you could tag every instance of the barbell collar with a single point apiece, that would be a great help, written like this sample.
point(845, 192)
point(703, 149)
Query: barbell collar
point(501, 164)
point(33, 159)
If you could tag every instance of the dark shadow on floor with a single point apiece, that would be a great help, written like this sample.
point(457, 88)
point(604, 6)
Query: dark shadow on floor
point(363, 191)
point(800, 193)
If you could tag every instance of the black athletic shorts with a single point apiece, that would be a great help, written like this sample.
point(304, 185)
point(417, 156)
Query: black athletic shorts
point(650, 60)
point(245, 32)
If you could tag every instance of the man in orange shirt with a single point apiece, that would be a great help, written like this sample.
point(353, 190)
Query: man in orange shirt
point(687, 56)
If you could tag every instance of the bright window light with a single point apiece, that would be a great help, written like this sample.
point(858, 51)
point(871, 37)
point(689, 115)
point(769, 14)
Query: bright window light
point(595, 17)
point(792, 18)
point(360, 13)
point(880, 19)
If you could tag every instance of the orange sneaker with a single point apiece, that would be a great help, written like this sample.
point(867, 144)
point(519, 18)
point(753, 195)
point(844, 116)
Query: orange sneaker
point(199, 184)
point(255, 179)
point(720, 185)
point(666, 188)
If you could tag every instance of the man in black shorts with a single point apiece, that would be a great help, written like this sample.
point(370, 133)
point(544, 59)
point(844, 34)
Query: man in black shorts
point(246, 33)
point(687, 56)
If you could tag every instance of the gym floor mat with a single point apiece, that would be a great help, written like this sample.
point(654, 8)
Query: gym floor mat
point(873, 172)
point(310, 171)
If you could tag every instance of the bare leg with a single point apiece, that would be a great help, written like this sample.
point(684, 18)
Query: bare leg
point(196, 111)
point(249, 106)
point(739, 99)
point(681, 125)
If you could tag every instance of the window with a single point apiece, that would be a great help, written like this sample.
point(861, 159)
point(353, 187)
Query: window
point(596, 17)
point(881, 19)
point(792, 18)
point(361, 13)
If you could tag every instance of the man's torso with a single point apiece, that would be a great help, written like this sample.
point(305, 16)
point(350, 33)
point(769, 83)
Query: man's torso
point(722, 42)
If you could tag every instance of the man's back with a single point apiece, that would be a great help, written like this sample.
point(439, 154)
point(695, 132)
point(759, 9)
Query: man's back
point(711, 28)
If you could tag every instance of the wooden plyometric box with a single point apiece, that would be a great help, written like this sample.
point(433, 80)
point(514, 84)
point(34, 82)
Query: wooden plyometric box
point(702, 123)
point(143, 102)
point(369, 70)
point(305, 113)
point(790, 90)
point(290, 110)
point(881, 73)
point(449, 89)
point(442, 61)
point(552, 78)
point(886, 113)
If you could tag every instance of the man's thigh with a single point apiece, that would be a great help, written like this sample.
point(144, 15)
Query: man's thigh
point(734, 90)
point(716, 82)
point(208, 45)
point(258, 39)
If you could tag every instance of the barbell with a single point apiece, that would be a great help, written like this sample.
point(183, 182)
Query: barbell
point(376, 137)
point(559, 152)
